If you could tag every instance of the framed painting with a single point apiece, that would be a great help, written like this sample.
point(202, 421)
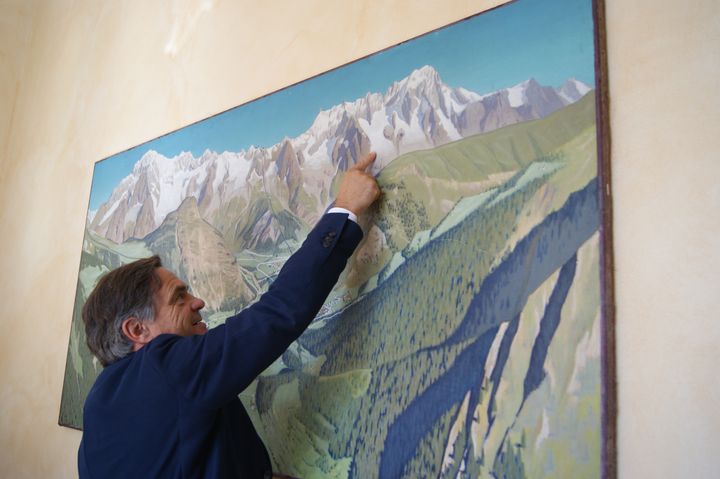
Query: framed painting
point(471, 334)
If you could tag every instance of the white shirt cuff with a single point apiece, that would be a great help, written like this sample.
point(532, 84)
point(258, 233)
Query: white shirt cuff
point(352, 216)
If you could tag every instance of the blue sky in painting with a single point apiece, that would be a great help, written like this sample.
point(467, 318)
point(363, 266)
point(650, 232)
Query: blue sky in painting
point(549, 40)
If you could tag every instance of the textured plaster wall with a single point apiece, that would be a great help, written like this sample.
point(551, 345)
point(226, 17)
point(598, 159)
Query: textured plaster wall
point(81, 80)
point(665, 119)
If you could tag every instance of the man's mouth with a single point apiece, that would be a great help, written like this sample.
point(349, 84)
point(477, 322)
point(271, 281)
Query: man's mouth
point(199, 323)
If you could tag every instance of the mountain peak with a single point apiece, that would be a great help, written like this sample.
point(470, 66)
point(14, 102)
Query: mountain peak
point(423, 75)
point(573, 89)
point(419, 78)
point(182, 161)
point(150, 157)
point(426, 71)
point(532, 82)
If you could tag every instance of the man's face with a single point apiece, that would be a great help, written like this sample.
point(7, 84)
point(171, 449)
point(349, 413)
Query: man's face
point(176, 310)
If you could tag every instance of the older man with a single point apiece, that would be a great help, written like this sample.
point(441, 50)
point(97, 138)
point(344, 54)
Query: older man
point(166, 403)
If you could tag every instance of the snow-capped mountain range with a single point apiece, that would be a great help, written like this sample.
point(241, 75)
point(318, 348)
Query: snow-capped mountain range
point(417, 112)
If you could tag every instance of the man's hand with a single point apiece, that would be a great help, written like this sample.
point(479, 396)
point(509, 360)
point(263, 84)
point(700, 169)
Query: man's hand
point(358, 189)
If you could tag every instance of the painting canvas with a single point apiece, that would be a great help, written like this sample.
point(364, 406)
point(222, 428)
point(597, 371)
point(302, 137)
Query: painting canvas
point(468, 335)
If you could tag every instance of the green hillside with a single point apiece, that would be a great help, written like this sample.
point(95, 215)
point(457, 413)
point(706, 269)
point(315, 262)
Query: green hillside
point(396, 334)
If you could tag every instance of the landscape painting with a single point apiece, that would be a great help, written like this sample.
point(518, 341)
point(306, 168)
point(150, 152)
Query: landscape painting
point(466, 338)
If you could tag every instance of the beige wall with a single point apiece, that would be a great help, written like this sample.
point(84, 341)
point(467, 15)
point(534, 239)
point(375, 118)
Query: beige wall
point(80, 80)
point(665, 119)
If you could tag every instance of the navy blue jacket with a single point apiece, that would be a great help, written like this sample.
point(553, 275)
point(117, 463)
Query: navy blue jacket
point(171, 409)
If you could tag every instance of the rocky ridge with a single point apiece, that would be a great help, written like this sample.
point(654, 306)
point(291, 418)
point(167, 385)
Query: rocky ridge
point(294, 177)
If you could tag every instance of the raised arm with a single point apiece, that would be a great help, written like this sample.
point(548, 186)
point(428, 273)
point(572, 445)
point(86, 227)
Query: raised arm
point(213, 368)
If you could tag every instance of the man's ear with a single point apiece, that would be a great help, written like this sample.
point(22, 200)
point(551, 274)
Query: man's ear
point(136, 331)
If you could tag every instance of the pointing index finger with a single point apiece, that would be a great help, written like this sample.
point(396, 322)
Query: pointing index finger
point(363, 164)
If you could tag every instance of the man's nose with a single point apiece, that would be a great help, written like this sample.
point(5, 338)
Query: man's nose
point(197, 304)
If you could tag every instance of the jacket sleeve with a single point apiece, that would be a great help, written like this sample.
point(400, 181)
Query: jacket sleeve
point(214, 368)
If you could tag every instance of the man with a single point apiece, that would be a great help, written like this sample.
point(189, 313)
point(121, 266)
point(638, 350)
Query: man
point(166, 403)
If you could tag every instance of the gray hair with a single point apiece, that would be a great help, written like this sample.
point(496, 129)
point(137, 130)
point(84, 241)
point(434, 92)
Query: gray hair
point(122, 293)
